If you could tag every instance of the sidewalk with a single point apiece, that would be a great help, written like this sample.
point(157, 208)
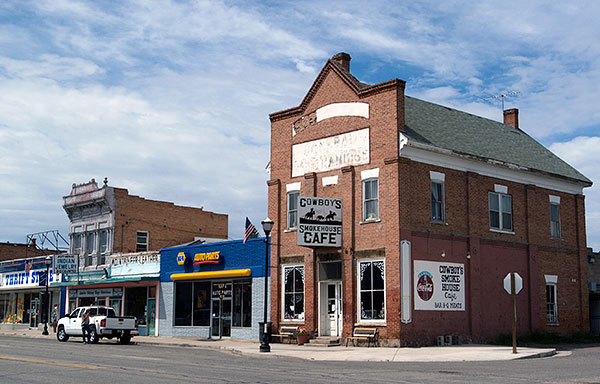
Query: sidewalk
point(467, 352)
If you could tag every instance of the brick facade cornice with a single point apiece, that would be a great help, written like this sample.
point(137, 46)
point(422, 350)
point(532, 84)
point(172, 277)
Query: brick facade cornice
point(361, 90)
point(273, 182)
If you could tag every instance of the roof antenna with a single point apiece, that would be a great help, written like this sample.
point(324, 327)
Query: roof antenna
point(502, 95)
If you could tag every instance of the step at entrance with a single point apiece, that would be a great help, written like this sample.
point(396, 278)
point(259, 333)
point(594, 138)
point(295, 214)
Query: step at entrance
point(325, 341)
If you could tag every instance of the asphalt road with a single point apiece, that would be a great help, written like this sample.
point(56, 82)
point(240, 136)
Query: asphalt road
point(26, 360)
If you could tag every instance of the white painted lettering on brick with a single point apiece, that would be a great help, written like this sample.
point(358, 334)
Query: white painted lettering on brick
point(334, 152)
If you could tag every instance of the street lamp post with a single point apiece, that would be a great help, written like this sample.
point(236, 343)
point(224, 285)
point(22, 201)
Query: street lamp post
point(267, 225)
point(46, 303)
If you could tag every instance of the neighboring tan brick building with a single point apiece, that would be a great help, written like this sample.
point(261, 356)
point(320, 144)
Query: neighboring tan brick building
point(438, 207)
point(108, 220)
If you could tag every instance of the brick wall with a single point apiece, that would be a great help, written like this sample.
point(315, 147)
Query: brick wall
point(11, 251)
point(405, 214)
point(167, 224)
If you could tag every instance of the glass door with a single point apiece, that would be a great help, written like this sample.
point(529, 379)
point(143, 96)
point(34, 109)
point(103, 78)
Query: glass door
point(221, 310)
point(151, 316)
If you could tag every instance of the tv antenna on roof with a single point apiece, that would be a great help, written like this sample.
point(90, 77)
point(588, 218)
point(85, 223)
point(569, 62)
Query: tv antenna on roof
point(504, 94)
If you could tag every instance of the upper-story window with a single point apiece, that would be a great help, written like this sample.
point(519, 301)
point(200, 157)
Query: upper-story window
point(77, 244)
point(500, 205)
point(103, 241)
point(90, 247)
point(370, 189)
point(437, 197)
point(555, 217)
point(141, 243)
point(293, 192)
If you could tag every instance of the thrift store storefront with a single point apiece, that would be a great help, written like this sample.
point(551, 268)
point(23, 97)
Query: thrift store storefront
point(129, 283)
point(212, 290)
point(22, 285)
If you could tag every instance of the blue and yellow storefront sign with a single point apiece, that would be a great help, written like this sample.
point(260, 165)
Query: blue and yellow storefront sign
point(207, 258)
point(181, 258)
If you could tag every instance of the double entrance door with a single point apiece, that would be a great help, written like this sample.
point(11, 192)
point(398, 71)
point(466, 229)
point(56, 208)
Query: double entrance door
point(330, 308)
point(221, 309)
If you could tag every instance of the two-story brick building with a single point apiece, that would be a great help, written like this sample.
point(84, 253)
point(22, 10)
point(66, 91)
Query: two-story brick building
point(116, 238)
point(438, 207)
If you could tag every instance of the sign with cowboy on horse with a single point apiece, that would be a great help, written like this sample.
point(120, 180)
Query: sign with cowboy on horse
point(319, 222)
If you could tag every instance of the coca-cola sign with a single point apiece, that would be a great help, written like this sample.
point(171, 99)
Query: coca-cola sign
point(425, 286)
point(439, 286)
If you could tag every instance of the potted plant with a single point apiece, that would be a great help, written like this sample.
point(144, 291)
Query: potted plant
point(53, 324)
point(302, 336)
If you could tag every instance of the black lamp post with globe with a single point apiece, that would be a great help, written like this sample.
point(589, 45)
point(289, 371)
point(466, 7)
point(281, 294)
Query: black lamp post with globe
point(265, 327)
point(46, 302)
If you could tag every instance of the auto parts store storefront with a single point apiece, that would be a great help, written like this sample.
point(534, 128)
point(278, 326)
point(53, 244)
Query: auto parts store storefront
point(212, 290)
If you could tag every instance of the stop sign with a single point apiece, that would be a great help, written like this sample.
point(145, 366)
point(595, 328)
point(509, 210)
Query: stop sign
point(518, 283)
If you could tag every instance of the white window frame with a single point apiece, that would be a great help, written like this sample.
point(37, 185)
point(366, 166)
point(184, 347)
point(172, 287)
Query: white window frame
point(365, 216)
point(147, 241)
point(552, 307)
point(292, 226)
point(283, 269)
point(555, 227)
point(358, 292)
point(438, 178)
point(498, 193)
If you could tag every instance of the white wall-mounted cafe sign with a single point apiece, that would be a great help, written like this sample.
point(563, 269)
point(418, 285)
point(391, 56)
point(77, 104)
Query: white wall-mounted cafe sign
point(319, 222)
point(439, 286)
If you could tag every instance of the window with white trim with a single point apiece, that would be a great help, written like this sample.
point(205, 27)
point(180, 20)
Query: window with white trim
point(292, 209)
point(555, 217)
point(141, 242)
point(293, 292)
point(500, 205)
point(370, 199)
point(437, 196)
point(551, 299)
point(371, 290)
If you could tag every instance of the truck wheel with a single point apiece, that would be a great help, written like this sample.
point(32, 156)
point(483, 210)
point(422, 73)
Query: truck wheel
point(61, 335)
point(124, 340)
point(94, 336)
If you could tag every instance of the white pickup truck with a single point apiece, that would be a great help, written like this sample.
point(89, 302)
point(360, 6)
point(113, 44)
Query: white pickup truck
point(103, 323)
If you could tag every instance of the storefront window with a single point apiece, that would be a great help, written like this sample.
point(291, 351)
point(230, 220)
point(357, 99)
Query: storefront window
point(372, 291)
point(201, 316)
point(242, 304)
point(135, 303)
point(293, 287)
point(183, 303)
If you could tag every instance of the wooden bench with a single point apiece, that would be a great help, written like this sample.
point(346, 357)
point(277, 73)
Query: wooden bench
point(362, 333)
point(287, 333)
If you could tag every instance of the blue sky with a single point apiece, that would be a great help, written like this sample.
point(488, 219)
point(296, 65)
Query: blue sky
point(170, 99)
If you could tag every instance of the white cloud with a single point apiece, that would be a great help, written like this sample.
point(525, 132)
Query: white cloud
point(582, 153)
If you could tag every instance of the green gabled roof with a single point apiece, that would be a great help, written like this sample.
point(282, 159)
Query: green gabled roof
point(471, 135)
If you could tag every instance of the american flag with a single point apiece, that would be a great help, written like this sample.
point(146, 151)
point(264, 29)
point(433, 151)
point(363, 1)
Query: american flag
point(250, 232)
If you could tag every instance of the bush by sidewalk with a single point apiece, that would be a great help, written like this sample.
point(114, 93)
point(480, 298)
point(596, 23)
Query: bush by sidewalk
point(547, 338)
